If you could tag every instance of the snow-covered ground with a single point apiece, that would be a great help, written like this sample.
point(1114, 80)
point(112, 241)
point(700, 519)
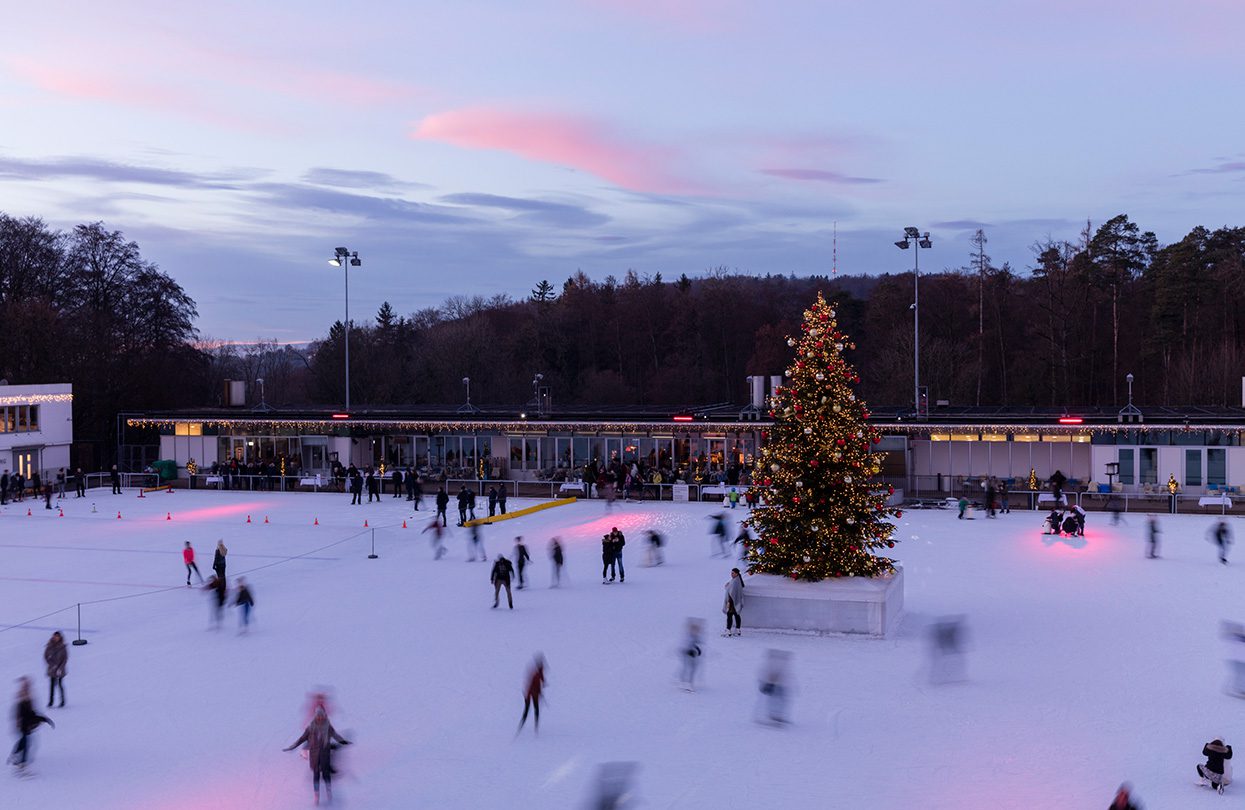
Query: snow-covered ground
point(1089, 664)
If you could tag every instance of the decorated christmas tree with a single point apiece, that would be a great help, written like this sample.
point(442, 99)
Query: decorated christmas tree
point(827, 513)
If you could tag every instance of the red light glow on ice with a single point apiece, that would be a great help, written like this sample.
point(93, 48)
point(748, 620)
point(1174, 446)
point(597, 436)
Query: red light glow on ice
point(224, 511)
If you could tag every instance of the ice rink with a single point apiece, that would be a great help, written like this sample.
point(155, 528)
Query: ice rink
point(1087, 664)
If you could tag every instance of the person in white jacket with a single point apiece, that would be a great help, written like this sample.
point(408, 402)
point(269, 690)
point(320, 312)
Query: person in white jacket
point(733, 603)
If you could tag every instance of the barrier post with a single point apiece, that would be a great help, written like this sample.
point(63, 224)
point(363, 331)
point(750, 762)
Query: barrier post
point(373, 555)
point(79, 641)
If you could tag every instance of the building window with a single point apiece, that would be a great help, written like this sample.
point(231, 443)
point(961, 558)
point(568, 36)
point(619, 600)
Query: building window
point(940, 437)
point(963, 437)
point(1192, 468)
point(1081, 438)
point(1148, 466)
point(994, 437)
point(1217, 466)
point(33, 420)
point(1058, 438)
point(1126, 466)
point(188, 429)
point(1025, 437)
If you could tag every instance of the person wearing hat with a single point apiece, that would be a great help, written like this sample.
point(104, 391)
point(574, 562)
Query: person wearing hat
point(1216, 753)
point(733, 602)
point(319, 737)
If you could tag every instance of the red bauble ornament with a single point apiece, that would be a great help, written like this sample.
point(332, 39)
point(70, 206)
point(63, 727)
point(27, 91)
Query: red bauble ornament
point(795, 499)
point(769, 481)
point(898, 513)
point(840, 442)
point(824, 317)
point(890, 543)
point(814, 463)
point(799, 364)
point(821, 345)
point(889, 490)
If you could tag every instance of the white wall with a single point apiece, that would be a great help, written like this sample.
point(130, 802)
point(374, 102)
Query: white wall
point(55, 434)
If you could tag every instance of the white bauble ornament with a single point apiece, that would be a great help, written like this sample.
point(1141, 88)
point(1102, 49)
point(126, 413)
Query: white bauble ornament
point(790, 341)
point(799, 483)
point(808, 431)
point(851, 521)
point(773, 467)
point(807, 558)
point(847, 479)
point(831, 313)
point(819, 376)
point(839, 346)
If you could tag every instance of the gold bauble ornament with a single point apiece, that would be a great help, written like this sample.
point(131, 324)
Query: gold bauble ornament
point(836, 408)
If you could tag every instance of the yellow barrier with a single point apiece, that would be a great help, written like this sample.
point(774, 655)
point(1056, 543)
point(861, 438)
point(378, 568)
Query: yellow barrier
point(162, 488)
point(520, 512)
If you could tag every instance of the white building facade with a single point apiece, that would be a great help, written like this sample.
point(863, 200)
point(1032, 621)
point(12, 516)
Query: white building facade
point(36, 428)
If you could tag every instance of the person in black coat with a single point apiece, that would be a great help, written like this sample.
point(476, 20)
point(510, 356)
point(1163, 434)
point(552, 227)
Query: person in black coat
point(1056, 484)
point(492, 501)
point(27, 721)
point(396, 477)
point(79, 483)
point(464, 499)
point(1216, 753)
point(501, 499)
point(607, 558)
point(500, 577)
point(373, 485)
point(356, 488)
point(443, 503)
point(555, 554)
point(521, 558)
point(4, 488)
point(1222, 536)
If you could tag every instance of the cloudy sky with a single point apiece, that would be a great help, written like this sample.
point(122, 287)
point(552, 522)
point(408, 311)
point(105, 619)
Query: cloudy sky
point(479, 146)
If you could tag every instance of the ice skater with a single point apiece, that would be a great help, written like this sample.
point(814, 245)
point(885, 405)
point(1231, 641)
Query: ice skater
point(1078, 514)
point(555, 554)
point(774, 685)
point(741, 541)
point(654, 548)
point(619, 542)
point(438, 546)
point(1214, 771)
point(500, 577)
point(246, 600)
point(27, 720)
point(475, 544)
point(521, 559)
point(1152, 538)
point(733, 603)
point(689, 654)
point(1124, 799)
point(531, 694)
point(501, 499)
point(218, 560)
point(1052, 523)
point(1234, 632)
point(463, 498)
point(607, 559)
point(443, 503)
point(188, 557)
point(492, 501)
point(319, 737)
point(946, 637)
point(56, 656)
point(718, 530)
point(219, 589)
point(1222, 537)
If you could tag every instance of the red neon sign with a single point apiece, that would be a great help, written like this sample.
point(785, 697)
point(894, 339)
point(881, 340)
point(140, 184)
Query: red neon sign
point(1070, 420)
point(341, 416)
point(683, 418)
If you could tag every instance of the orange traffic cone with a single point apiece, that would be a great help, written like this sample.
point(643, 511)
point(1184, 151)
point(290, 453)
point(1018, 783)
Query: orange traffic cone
point(118, 516)
point(28, 513)
point(365, 524)
point(265, 518)
point(168, 515)
point(62, 513)
point(248, 518)
point(316, 522)
point(404, 524)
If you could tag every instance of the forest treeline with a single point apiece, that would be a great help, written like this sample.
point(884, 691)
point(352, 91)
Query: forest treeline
point(83, 306)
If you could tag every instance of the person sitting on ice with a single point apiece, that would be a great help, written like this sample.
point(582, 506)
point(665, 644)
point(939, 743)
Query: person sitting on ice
point(1053, 521)
point(1214, 771)
point(1070, 526)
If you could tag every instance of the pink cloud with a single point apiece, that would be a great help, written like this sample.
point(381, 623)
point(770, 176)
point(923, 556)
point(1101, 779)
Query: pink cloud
point(579, 143)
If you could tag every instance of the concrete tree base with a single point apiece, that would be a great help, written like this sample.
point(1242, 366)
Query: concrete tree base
point(854, 606)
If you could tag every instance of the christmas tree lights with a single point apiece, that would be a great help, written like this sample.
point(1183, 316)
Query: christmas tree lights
point(827, 513)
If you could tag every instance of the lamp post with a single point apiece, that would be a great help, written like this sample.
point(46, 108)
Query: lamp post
point(468, 408)
point(345, 259)
point(913, 238)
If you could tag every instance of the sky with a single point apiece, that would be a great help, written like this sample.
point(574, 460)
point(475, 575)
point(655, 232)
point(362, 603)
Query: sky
point(477, 147)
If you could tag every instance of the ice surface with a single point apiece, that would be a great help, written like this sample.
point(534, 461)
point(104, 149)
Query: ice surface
point(1087, 664)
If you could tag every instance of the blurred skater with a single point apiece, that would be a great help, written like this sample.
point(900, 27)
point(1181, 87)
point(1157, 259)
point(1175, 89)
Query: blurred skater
point(531, 694)
point(718, 530)
point(654, 548)
point(500, 577)
point(27, 720)
point(218, 560)
point(319, 737)
point(733, 603)
point(741, 541)
point(188, 557)
point(56, 656)
point(1124, 799)
point(521, 559)
point(613, 789)
point(774, 685)
point(946, 637)
point(1235, 633)
point(690, 654)
point(1152, 538)
point(1222, 537)
point(1212, 772)
point(245, 600)
point(476, 544)
point(555, 554)
point(219, 589)
point(438, 546)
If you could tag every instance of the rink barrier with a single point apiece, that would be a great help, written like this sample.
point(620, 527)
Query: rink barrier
point(520, 512)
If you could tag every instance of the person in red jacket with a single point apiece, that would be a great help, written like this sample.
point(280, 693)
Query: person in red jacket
point(531, 697)
point(188, 557)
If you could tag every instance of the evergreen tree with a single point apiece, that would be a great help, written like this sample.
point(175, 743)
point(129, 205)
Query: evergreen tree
point(543, 291)
point(826, 513)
